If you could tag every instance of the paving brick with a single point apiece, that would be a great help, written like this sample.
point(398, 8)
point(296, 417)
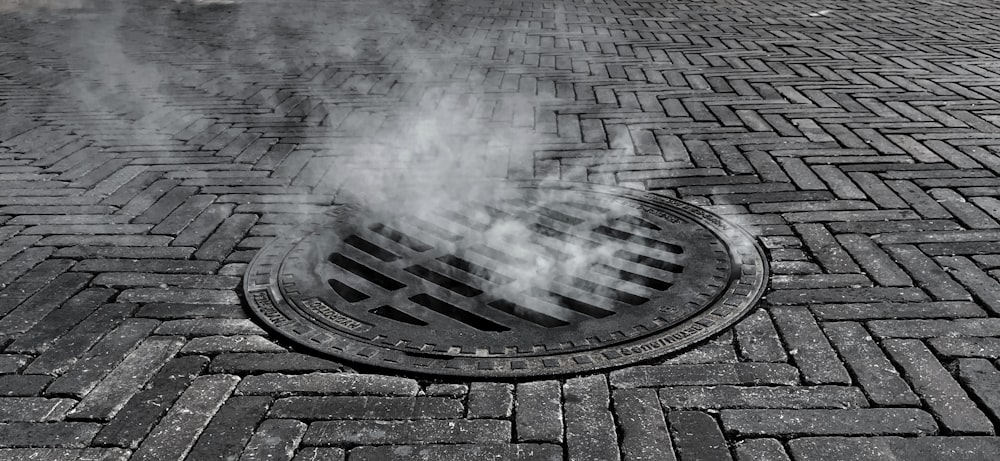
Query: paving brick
point(209, 327)
point(708, 374)
point(61, 320)
point(697, 436)
point(867, 311)
point(966, 347)
point(869, 421)
point(726, 396)
point(761, 450)
point(538, 412)
point(490, 400)
point(513, 452)
point(928, 274)
point(147, 279)
point(985, 288)
point(177, 432)
point(34, 409)
point(365, 407)
point(51, 434)
point(328, 384)
point(134, 421)
point(869, 365)
point(642, 425)
point(946, 399)
point(82, 454)
point(83, 375)
point(932, 328)
point(23, 385)
point(880, 448)
point(459, 431)
point(758, 340)
point(178, 295)
point(876, 263)
point(111, 394)
point(274, 440)
point(590, 429)
point(225, 238)
point(210, 345)
point(174, 311)
point(982, 379)
point(809, 348)
point(846, 295)
point(231, 428)
point(320, 454)
point(252, 363)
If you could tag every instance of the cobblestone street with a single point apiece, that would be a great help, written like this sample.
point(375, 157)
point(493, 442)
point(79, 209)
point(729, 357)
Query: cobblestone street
point(149, 149)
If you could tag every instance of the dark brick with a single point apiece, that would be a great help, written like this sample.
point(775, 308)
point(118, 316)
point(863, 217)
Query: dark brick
point(808, 346)
point(274, 440)
point(325, 433)
point(69, 348)
point(144, 409)
point(512, 452)
point(271, 363)
point(758, 340)
point(939, 391)
point(538, 412)
point(490, 400)
point(165, 266)
point(177, 432)
point(60, 321)
point(708, 374)
point(225, 238)
point(869, 421)
point(872, 370)
point(378, 407)
point(760, 450)
point(53, 434)
point(230, 428)
point(882, 448)
point(697, 436)
point(590, 429)
point(704, 397)
point(642, 425)
point(83, 375)
point(327, 384)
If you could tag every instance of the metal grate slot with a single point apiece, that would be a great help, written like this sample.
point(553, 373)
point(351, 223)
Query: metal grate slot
point(348, 293)
point(628, 276)
point(450, 311)
point(548, 212)
point(392, 313)
point(650, 261)
point(371, 248)
point(461, 219)
point(530, 315)
point(639, 222)
point(572, 304)
point(475, 269)
point(644, 241)
point(400, 238)
point(605, 291)
point(365, 272)
point(444, 281)
point(560, 235)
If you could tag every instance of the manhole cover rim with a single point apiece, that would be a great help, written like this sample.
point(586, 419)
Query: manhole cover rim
point(269, 306)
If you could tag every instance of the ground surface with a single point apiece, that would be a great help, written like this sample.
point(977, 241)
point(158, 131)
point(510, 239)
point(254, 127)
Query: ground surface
point(147, 150)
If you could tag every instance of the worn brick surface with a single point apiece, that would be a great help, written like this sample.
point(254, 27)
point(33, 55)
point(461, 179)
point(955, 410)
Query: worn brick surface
point(148, 150)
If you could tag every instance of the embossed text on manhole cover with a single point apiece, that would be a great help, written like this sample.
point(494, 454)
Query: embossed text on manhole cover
point(540, 279)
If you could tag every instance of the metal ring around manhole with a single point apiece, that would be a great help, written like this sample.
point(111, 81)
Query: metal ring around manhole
point(546, 279)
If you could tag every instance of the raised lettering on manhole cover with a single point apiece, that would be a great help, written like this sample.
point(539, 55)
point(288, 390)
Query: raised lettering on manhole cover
point(542, 279)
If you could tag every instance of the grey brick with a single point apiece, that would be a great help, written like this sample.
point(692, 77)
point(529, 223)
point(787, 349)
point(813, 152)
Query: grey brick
point(490, 400)
point(707, 374)
point(946, 399)
point(538, 412)
point(813, 355)
point(326, 433)
point(590, 429)
point(873, 371)
point(274, 440)
point(365, 407)
point(327, 383)
point(727, 396)
point(869, 421)
point(642, 425)
point(512, 452)
point(697, 436)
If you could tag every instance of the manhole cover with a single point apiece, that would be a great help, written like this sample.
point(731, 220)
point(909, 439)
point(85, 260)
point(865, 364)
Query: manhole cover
point(543, 279)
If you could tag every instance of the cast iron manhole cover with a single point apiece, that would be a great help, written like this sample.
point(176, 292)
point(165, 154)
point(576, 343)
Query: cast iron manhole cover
point(544, 279)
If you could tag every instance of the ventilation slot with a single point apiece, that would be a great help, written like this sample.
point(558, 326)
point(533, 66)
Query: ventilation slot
point(400, 238)
point(644, 241)
point(349, 294)
point(457, 314)
point(655, 263)
point(627, 276)
point(638, 222)
point(371, 248)
point(444, 281)
point(365, 272)
point(474, 269)
point(607, 292)
point(392, 313)
point(532, 316)
point(575, 305)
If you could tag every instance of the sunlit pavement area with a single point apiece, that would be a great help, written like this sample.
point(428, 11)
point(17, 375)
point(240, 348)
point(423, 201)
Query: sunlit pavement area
point(148, 149)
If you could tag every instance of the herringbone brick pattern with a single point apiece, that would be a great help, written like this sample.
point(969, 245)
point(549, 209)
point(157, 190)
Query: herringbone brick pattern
point(147, 149)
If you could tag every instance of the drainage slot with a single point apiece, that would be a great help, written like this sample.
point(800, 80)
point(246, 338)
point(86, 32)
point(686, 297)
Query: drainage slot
point(457, 314)
point(627, 276)
point(575, 305)
point(444, 281)
point(400, 238)
point(644, 241)
point(349, 294)
point(475, 269)
point(371, 248)
point(392, 313)
point(606, 291)
point(655, 263)
point(365, 272)
point(527, 314)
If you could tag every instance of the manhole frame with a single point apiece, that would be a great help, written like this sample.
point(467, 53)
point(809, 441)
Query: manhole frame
point(269, 306)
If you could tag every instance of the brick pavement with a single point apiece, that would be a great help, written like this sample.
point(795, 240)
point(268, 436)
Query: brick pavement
point(147, 149)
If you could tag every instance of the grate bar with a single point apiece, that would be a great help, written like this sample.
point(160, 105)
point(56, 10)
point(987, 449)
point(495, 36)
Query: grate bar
point(448, 310)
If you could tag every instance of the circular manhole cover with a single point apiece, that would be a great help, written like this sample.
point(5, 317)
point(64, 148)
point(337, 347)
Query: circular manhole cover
point(542, 279)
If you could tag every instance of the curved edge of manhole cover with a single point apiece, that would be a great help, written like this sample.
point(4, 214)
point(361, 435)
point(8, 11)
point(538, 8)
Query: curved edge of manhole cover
point(290, 290)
